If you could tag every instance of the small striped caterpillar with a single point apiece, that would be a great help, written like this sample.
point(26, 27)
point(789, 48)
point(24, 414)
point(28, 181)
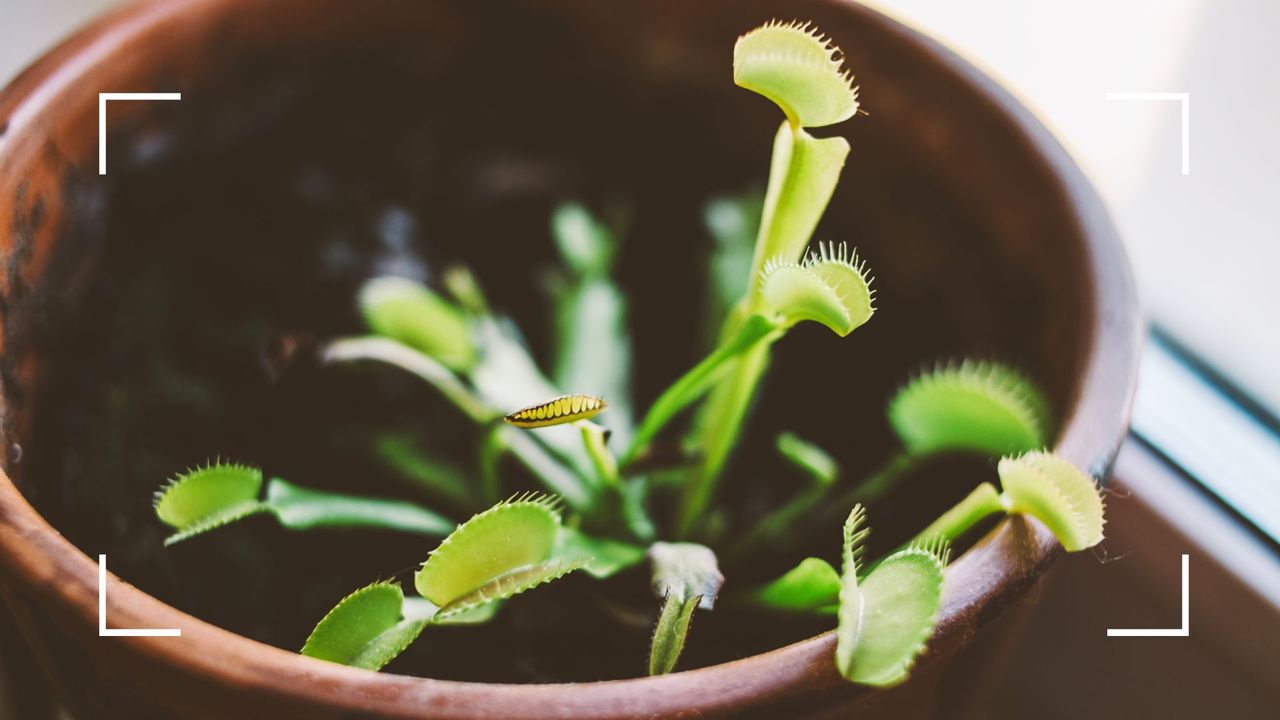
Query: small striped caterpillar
point(564, 409)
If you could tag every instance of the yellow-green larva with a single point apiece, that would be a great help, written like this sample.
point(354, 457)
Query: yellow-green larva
point(554, 412)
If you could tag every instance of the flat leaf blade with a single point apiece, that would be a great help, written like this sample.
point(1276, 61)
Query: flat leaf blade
point(299, 508)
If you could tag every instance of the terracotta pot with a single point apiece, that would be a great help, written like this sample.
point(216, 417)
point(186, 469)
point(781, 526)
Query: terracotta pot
point(982, 179)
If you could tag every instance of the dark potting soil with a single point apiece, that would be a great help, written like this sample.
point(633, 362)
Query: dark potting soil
point(252, 210)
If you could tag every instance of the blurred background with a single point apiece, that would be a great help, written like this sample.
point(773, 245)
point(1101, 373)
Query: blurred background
point(1202, 475)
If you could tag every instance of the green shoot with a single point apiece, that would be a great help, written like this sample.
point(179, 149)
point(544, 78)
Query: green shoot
point(670, 633)
point(851, 610)
point(809, 458)
point(686, 576)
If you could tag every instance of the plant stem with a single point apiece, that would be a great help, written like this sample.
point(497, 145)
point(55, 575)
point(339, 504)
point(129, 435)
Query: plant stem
point(985, 500)
point(879, 482)
point(755, 333)
point(802, 177)
point(532, 453)
point(541, 462)
point(406, 358)
point(719, 428)
point(775, 525)
point(593, 438)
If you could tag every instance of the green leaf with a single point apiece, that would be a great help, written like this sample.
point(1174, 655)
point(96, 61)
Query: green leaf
point(802, 178)
point(799, 70)
point(408, 312)
point(498, 553)
point(811, 586)
point(670, 633)
point(809, 458)
point(367, 629)
point(209, 497)
point(603, 557)
point(1058, 494)
point(979, 504)
point(852, 611)
point(299, 508)
point(900, 600)
point(701, 378)
point(398, 354)
point(981, 407)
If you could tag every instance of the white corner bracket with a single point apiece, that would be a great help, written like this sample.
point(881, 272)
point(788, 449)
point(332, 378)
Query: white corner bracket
point(102, 118)
point(1181, 97)
point(104, 631)
point(1184, 631)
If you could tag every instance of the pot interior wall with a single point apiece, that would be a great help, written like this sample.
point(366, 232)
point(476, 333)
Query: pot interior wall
point(299, 163)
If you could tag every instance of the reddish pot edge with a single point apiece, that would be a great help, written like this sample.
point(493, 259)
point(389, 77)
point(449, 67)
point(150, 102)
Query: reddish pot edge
point(48, 568)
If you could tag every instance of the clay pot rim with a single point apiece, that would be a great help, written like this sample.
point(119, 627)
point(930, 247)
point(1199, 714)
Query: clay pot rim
point(37, 556)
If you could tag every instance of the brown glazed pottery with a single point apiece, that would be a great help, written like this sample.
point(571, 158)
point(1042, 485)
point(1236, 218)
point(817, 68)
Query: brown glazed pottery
point(966, 206)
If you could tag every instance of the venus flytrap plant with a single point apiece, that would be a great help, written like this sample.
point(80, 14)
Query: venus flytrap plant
point(801, 72)
point(574, 433)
